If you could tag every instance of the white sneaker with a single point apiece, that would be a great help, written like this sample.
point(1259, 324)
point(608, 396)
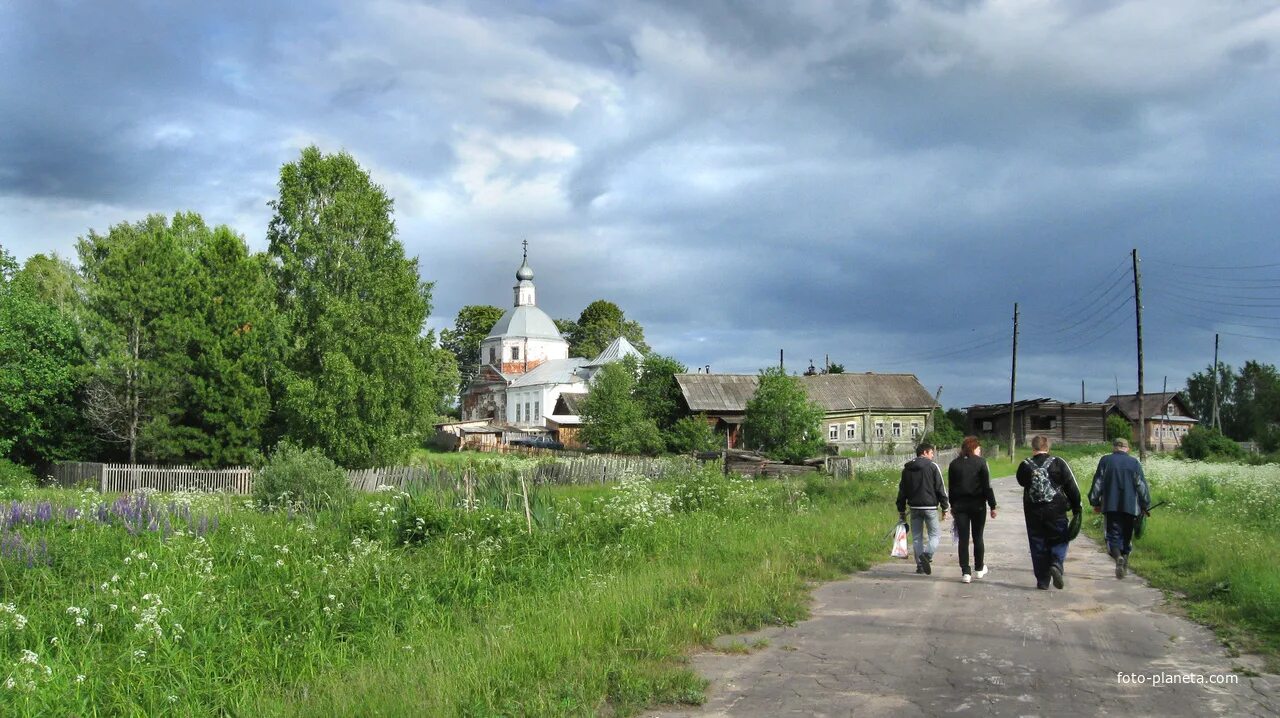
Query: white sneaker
point(982, 572)
point(966, 578)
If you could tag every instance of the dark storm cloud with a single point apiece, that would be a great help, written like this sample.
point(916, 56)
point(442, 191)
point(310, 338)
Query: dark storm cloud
point(877, 181)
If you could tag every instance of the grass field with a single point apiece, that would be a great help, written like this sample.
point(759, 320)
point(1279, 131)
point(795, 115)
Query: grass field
point(1214, 546)
point(400, 604)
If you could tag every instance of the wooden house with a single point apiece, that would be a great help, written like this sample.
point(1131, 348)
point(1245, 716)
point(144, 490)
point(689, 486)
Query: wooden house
point(1168, 419)
point(1062, 422)
point(862, 411)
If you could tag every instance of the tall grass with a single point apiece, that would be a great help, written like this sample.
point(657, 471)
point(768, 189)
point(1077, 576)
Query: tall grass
point(408, 604)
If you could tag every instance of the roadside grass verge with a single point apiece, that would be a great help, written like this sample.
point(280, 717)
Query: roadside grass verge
point(572, 645)
point(408, 603)
point(1213, 547)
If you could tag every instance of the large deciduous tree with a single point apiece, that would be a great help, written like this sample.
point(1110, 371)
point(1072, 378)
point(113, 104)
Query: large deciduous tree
point(39, 353)
point(598, 325)
point(470, 328)
point(361, 381)
point(781, 420)
point(613, 419)
point(657, 391)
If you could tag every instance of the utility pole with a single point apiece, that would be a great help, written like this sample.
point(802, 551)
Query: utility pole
point(1013, 382)
point(1214, 421)
point(1082, 391)
point(1137, 305)
point(781, 365)
point(1164, 413)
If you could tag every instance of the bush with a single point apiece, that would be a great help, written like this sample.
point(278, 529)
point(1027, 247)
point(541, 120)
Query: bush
point(1204, 443)
point(692, 434)
point(300, 476)
point(1119, 428)
point(1269, 439)
point(15, 476)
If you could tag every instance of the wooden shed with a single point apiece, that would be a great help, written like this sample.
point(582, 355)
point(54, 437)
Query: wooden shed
point(1062, 422)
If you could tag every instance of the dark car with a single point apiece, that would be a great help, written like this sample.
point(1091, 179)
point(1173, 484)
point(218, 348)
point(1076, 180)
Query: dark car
point(537, 442)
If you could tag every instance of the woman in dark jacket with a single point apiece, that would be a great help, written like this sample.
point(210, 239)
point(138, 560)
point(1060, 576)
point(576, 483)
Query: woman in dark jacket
point(969, 486)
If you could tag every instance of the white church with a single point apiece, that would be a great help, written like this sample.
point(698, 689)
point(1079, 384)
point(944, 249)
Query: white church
point(526, 368)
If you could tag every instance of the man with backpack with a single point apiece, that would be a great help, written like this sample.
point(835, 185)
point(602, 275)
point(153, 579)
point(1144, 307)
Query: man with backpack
point(1120, 491)
point(1049, 491)
point(920, 488)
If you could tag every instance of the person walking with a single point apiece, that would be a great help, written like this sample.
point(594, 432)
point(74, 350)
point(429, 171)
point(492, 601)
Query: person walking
point(1120, 492)
point(969, 489)
point(1049, 491)
point(920, 488)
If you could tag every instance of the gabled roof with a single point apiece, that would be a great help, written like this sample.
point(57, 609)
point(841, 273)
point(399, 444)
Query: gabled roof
point(729, 393)
point(569, 404)
point(617, 350)
point(1152, 404)
point(553, 371)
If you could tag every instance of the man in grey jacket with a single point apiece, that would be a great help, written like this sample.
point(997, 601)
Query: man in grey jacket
point(1120, 492)
point(921, 489)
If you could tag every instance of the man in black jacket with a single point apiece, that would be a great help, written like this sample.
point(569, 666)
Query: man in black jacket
point(1049, 490)
point(921, 489)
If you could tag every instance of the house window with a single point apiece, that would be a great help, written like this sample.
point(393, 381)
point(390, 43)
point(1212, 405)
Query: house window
point(537, 410)
point(851, 430)
point(517, 412)
point(986, 426)
point(1042, 423)
point(897, 429)
point(526, 412)
point(515, 353)
point(493, 355)
point(879, 429)
point(915, 430)
point(833, 431)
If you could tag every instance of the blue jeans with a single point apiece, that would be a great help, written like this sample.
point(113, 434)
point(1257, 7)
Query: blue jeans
point(1120, 532)
point(1047, 536)
point(919, 519)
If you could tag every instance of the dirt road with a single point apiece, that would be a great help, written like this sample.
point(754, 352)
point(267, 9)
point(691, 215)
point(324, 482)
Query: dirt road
point(889, 642)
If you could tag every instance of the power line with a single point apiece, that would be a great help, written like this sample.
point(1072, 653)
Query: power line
point(1201, 266)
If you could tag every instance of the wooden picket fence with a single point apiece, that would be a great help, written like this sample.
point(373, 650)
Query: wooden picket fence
point(131, 477)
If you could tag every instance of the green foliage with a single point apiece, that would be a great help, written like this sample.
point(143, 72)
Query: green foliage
point(781, 420)
point(1119, 428)
point(15, 476)
point(182, 334)
point(297, 476)
point(39, 356)
point(613, 420)
point(959, 419)
point(137, 322)
point(470, 328)
point(361, 381)
point(598, 325)
point(657, 391)
point(834, 368)
point(1248, 399)
point(53, 281)
point(1205, 443)
point(945, 434)
point(691, 434)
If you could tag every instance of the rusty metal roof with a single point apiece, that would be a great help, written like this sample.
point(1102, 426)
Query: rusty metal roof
point(729, 393)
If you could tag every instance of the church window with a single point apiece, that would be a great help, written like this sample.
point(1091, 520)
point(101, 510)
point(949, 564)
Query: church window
point(515, 353)
point(493, 355)
point(537, 410)
point(517, 412)
point(526, 412)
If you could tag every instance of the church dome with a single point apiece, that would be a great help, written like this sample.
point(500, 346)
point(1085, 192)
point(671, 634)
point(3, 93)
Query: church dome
point(524, 273)
point(525, 321)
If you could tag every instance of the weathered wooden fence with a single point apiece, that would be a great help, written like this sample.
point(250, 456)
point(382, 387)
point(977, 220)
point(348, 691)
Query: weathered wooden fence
point(72, 474)
point(130, 477)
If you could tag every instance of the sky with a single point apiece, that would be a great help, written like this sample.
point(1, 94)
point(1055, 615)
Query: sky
point(878, 182)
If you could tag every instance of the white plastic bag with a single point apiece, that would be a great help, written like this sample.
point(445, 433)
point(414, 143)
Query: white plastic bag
point(900, 542)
